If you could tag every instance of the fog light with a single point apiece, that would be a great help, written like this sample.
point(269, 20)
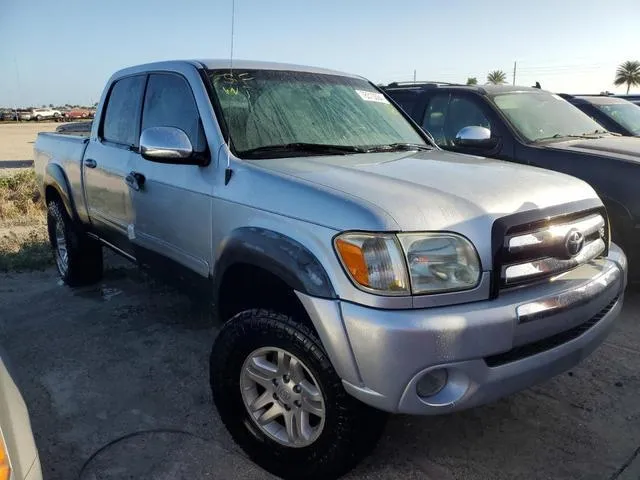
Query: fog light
point(432, 382)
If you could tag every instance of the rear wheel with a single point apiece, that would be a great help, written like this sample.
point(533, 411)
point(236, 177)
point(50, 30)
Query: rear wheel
point(78, 257)
point(282, 401)
point(38, 118)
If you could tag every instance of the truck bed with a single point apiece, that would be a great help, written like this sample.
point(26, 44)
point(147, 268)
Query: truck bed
point(66, 151)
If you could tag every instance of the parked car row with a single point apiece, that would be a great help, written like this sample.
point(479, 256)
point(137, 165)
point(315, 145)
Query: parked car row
point(15, 115)
point(356, 266)
point(42, 114)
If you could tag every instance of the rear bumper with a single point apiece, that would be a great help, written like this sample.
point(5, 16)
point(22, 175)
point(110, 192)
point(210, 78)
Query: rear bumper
point(489, 349)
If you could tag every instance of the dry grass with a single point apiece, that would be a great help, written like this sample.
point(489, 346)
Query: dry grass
point(20, 202)
point(25, 248)
point(23, 234)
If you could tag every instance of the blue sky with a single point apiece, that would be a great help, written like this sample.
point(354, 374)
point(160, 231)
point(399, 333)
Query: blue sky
point(64, 51)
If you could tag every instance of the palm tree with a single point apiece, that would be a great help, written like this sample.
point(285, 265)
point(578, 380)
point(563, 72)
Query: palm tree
point(629, 73)
point(497, 77)
point(472, 81)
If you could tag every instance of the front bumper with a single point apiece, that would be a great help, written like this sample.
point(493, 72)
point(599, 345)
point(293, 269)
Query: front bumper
point(490, 348)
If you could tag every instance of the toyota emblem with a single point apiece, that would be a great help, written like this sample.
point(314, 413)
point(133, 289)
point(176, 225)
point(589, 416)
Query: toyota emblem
point(574, 242)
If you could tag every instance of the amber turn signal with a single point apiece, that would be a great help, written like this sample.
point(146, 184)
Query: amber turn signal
point(353, 259)
point(5, 467)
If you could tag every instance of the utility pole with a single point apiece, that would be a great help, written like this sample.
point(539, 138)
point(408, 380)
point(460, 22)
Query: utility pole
point(414, 76)
point(514, 73)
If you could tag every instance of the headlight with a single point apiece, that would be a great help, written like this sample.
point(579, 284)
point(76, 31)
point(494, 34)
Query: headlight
point(374, 262)
point(440, 262)
point(437, 262)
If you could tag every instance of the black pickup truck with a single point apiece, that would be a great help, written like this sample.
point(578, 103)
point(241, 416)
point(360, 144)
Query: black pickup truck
point(534, 127)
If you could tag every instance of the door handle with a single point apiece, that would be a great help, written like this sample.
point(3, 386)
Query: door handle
point(90, 163)
point(135, 180)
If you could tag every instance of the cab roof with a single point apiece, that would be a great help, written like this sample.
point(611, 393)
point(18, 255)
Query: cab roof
point(600, 99)
point(488, 89)
point(219, 64)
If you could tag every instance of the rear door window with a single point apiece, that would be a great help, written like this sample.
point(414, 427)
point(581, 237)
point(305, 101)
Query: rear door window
point(169, 102)
point(122, 115)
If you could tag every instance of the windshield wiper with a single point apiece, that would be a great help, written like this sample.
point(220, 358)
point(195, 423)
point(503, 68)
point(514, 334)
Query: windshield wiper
point(602, 132)
point(398, 147)
point(275, 151)
point(557, 135)
point(595, 134)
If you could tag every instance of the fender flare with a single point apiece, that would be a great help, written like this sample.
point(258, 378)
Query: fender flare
point(278, 254)
point(55, 177)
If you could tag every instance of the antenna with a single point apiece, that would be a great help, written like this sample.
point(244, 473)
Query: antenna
point(228, 172)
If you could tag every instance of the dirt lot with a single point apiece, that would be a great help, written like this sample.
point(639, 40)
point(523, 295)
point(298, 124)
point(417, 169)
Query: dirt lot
point(130, 355)
point(16, 140)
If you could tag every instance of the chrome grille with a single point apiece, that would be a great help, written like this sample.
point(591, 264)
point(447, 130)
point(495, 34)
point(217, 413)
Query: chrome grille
point(552, 246)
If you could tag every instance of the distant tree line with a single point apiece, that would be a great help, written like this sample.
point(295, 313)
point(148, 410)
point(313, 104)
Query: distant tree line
point(627, 73)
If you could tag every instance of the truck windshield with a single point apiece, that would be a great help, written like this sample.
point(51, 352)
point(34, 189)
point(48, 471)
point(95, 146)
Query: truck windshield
point(625, 114)
point(275, 113)
point(539, 116)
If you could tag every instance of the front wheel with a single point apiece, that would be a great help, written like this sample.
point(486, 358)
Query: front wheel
point(282, 401)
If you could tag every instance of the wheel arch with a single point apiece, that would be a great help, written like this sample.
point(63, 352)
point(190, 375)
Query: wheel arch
point(261, 268)
point(57, 184)
point(277, 256)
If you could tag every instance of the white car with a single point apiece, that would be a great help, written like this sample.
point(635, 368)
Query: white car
point(38, 114)
point(18, 454)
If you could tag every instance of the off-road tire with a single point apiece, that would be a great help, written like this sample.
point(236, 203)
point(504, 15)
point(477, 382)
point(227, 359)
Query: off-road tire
point(351, 428)
point(84, 255)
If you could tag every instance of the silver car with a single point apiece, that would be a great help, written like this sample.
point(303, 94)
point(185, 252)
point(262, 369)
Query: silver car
point(357, 269)
point(18, 454)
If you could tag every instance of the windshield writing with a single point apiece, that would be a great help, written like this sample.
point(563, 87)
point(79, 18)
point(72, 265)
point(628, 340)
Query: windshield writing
point(265, 108)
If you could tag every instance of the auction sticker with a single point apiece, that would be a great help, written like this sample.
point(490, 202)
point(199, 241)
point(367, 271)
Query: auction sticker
point(372, 96)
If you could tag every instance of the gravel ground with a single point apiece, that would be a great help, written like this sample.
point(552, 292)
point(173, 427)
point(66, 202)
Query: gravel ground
point(131, 355)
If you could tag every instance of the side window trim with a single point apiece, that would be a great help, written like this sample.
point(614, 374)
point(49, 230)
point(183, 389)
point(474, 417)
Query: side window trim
point(103, 114)
point(189, 87)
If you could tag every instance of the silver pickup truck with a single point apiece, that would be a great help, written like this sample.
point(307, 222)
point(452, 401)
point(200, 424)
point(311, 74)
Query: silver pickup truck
point(356, 268)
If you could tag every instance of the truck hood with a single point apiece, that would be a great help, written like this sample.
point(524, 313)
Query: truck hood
point(621, 148)
point(435, 190)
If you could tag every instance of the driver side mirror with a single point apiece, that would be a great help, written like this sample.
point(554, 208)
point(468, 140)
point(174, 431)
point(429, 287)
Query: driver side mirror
point(168, 145)
point(475, 137)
